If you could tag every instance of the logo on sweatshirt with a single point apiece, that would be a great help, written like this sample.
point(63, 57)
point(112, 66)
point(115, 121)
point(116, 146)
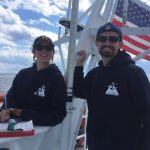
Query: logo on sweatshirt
point(112, 89)
point(41, 91)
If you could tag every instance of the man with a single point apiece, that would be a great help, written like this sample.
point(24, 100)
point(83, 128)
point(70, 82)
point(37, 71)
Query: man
point(118, 96)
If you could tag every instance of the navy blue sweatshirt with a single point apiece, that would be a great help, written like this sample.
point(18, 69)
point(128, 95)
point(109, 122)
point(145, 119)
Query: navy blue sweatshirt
point(41, 95)
point(118, 98)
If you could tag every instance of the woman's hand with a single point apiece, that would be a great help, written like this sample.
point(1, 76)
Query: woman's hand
point(16, 112)
point(4, 115)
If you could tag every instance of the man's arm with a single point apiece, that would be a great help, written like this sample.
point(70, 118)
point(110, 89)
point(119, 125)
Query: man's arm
point(140, 93)
point(79, 81)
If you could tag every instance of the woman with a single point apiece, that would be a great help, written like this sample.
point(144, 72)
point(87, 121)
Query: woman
point(38, 93)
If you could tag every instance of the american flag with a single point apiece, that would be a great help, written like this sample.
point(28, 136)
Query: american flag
point(137, 16)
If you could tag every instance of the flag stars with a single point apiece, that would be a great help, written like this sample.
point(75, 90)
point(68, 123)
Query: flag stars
point(136, 14)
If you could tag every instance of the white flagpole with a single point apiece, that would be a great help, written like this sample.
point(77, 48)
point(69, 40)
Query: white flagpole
point(125, 12)
point(72, 47)
point(70, 71)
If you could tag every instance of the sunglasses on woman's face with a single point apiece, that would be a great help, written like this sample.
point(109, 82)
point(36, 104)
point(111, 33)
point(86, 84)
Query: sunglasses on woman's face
point(46, 47)
point(111, 39)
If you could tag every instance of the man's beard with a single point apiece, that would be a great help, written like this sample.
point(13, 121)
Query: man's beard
point(107, 53)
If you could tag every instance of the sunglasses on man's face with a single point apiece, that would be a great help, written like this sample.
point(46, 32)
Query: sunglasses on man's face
point(111, 39)
point(46, 47)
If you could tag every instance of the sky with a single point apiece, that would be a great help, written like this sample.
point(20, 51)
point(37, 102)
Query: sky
point(21, 21)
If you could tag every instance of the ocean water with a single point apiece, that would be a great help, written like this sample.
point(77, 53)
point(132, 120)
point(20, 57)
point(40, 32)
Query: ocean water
point(6, 82)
